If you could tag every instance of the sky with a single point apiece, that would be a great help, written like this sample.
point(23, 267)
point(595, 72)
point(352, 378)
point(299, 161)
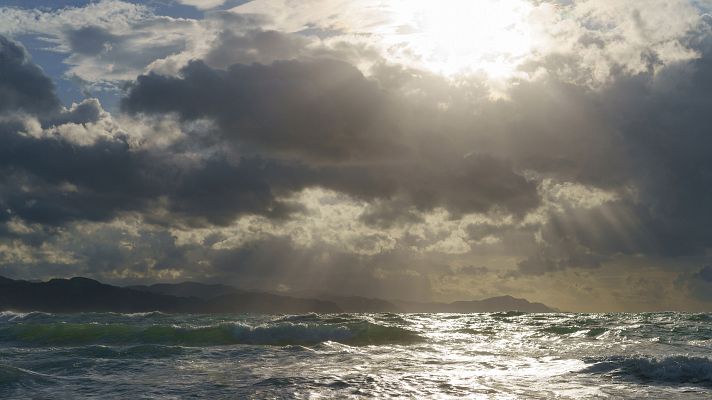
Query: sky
point(558, 151)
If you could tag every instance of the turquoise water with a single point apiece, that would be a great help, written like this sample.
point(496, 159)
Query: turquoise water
point(494, 355)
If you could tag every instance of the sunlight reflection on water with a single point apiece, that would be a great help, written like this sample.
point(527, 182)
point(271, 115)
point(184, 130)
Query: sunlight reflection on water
point(356, 355)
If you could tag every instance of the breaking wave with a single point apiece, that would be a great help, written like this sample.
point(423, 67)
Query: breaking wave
point(569, 330)
point(666, 370)
point(10, 316)
point(282, 333)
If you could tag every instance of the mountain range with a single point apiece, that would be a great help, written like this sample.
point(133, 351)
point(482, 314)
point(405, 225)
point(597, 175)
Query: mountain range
point(87, 295)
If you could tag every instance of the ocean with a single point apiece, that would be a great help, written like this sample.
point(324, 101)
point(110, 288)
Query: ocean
point(489, 356)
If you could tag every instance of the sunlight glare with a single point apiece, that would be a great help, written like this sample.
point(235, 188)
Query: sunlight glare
point(462, 36)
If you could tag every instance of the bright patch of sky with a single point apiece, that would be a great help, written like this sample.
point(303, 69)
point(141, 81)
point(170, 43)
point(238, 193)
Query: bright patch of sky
point(71, 89)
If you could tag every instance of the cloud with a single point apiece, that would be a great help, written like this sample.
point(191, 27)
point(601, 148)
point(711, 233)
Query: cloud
point(255, 46)
point(105, 41)
point(90, 40)
point(62, 165)
point(697, 283)
point(594, 40)
point(705, 273)
point(323, 109)
point(203, 4)
point(24, 87)
point(345, 128)
point(276, 151)
point(53, 181)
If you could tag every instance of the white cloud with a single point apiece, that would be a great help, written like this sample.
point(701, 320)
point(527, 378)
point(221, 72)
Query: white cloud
point(597, 36)
point(203, 4)
point(132, 36)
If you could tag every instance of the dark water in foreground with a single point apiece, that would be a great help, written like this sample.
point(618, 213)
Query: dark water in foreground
point(496, 355)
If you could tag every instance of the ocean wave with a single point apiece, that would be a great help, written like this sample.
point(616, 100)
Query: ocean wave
point(473, 331)
point(130, 352)
point(10, 375)
point(11, 315)
point(16, 316)
point(666, 370)
point(703, 317)
point(508, 314)
point(282, 334)
point(148, 314)
point(317, 318)
point(594, 332)
point(8, 316)
point(574, 330)
point(561, 330)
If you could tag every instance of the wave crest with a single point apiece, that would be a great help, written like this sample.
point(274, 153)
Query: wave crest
point(9, 316)
point(282, 334)
point(666, 370)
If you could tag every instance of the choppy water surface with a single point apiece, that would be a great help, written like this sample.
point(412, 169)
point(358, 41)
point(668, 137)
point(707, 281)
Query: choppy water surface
point(497, 355)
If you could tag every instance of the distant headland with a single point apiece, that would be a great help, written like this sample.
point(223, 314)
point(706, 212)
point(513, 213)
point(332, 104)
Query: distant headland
point(88, 295)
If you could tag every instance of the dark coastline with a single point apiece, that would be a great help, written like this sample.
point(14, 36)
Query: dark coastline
point(87, 295)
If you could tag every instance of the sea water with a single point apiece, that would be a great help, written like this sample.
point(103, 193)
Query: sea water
point(493, 355)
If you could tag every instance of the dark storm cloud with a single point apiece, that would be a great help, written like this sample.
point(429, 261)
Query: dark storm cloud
point(23, 85)
point(698, 283)
point(348, 129)
point(562, 131)
point(705, 274)
point(25, 88)
point(461, 185)
point(90, 40)
point(108, 177)
point(324, 109)
point(658, 133)
point(668, 134)
point(404, 142)
point(254, 46)
point(322, 123)
point(219, 191)
point(50, 180)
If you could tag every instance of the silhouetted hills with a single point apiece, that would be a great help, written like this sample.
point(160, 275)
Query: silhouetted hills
point(492, 304)
point(188, 289)
point(84, 295)
point(88, 295)
point(265, 303)
point(362, 304)
point(501, 303)
point(352, 304)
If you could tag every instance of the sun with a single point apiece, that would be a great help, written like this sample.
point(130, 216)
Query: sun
point(490, 38)
point(453, 37)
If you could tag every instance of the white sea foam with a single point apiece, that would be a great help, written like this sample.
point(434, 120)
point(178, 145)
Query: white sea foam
point(11, 315)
